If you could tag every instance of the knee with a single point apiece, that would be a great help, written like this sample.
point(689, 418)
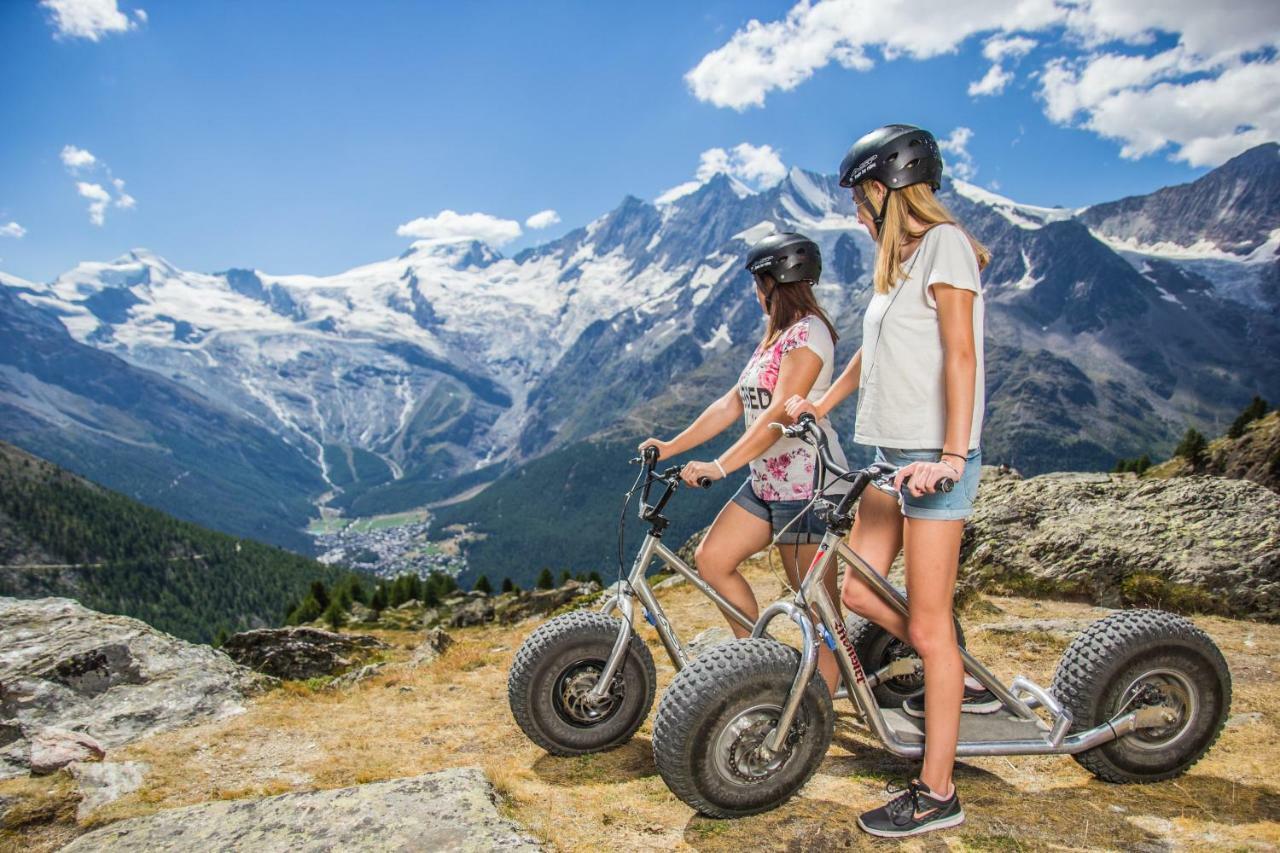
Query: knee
point(856, 597)
point(707, 564)
point(932, 637)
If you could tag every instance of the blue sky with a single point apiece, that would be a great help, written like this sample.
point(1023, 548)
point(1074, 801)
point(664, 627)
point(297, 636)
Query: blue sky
point(298, 137)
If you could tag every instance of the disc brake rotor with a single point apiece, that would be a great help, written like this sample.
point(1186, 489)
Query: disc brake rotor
point(739, 750)
point(572, 694)
point(1165, 688)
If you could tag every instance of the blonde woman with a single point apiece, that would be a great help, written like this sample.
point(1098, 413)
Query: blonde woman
point(919, 375)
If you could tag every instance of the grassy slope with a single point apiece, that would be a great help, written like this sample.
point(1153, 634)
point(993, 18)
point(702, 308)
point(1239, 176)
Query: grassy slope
point(454, 713)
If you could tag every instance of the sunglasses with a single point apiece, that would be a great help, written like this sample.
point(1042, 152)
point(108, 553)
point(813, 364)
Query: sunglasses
point(860, 197)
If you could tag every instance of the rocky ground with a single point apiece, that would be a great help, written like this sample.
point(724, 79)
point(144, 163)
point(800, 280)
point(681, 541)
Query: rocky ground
point(421, 711)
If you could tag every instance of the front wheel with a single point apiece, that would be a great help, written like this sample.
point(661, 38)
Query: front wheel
point(551, 678)
point(877, 648)
point(1135, 659)
point(714, 718)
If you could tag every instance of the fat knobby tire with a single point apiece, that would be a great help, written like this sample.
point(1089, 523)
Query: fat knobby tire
point(1101, 662)
point(705, 695)
point(581, 635)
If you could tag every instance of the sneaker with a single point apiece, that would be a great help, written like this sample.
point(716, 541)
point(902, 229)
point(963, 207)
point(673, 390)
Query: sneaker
point(913, 811)
point(977, 700)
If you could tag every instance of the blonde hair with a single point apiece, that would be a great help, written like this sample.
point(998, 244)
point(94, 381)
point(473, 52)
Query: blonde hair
point(919, 201)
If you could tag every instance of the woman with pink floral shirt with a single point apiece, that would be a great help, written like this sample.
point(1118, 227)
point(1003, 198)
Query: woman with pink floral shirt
point(795, 357)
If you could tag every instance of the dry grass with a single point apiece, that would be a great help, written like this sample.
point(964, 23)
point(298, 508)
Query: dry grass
point(404, 721)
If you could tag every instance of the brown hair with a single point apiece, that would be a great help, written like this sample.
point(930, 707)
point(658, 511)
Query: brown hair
point(919, 201)
point(788, 304)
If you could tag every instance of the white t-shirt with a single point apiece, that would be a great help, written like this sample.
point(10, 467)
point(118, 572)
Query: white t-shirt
point(785, 471)
point(901, 397)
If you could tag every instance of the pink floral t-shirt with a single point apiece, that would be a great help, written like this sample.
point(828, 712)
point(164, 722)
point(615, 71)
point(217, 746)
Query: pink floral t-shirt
point(785, 471)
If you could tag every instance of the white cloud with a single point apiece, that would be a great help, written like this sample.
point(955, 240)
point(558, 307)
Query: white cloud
point(123, 199)
point(76, 158)
point(992, 83)
point(1146, 98)
point(98, 197)
point(960, 163)
point(758, 165)
point(141, 15)
point(543, 219)
point(13, 230)
point(997, 48)
point(88, 19)
point(450, 226)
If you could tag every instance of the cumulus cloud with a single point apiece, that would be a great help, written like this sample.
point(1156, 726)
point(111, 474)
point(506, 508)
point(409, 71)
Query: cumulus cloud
point(992, 83)
point(756, 165)
point(1208, 97)
point(76, 159)
point(98, 197)
point(89, 19)
point(78, 162)
point(451, 226)
point(543, 219)
point(960, 163)
point(13, 229)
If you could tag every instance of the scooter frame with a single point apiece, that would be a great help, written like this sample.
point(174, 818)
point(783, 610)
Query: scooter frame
point(636, 586)
point(1049, 739)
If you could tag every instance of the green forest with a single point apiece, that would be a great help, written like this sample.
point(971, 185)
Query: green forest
point(133, 560)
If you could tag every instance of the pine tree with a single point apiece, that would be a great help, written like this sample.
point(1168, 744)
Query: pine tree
point(1143, 463)
point(320, 594)
point(430, 595)
point(308, 611)
point(545, 581)
point(565, 577)
point(220, 639)
point(483, 585)
point(1192, 448)
point(1257, 408)
point(334, 616)
point(508, 585)
point(378, 602)
point(596, 579)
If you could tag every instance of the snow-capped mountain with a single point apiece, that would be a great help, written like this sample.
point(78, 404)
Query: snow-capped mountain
point(407, 380)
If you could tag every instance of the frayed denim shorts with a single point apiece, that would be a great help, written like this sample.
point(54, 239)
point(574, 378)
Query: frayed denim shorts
point(940, 506)
point(807, 530)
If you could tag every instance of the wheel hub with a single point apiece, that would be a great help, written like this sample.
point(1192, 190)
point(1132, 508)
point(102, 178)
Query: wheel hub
point(741, 753)
point(1168, 690)
point(572, 694)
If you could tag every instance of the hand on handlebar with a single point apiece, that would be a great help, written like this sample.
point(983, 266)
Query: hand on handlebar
point(797, 406)
point(925, 478)
point(699, 474)
point(662, 448)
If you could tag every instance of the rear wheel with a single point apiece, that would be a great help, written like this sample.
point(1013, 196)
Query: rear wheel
point(713, 720)
point(1141, 658)
point(552, 676)
point(877, 648)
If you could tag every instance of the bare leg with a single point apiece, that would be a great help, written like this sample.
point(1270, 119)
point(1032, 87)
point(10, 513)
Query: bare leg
point(877, 538)
point(932, 554)
point(734, 536)
point(796, 559)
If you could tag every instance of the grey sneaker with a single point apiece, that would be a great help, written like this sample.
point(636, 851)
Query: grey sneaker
point(913, 811)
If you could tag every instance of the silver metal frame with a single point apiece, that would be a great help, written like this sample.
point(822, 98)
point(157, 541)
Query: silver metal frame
point(813, 595)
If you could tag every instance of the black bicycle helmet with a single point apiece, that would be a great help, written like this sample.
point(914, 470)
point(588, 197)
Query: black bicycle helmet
point(896, 155)
point(787, 257)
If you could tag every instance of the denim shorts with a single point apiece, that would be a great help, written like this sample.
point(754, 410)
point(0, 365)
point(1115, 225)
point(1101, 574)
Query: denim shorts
point(941, 506)
point(807, 530)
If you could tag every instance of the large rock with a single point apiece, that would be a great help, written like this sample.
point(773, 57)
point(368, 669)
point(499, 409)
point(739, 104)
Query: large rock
point(105, 782)
point(540, 602)
point(1191, 543)
point(53, 748)
point(299, 652)
point(449, 810)
point(112, 678)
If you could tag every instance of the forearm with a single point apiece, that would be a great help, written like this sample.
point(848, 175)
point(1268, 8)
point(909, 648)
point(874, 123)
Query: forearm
point(714, 420)
point(756, 440)
point(846, 383)
point(959, 373)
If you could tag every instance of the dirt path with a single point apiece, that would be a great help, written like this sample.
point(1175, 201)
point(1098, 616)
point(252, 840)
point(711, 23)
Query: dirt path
point(454, 713)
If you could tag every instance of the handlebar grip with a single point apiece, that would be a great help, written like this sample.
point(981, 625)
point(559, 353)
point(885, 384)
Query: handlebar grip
point(805, 419)
point(704, 482)
point(946, 484)
point(650, 454)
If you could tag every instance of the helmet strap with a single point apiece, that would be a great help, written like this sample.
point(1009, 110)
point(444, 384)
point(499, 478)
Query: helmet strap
point(884, 208)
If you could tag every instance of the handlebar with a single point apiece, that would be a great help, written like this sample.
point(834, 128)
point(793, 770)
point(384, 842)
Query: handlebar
point(807, 430)
point(649, 458)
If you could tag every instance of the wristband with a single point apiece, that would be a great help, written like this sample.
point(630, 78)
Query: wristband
point(959, 456)
point(721, 467)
